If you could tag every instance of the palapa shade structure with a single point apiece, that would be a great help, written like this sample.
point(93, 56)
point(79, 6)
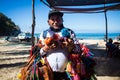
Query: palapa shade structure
point(68, 6)
point(98, 6)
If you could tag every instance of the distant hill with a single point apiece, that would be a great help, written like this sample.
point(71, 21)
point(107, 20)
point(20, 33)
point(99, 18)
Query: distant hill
point(8, 27)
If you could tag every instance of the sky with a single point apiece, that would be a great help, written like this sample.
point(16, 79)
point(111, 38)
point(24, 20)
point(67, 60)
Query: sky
point(20, 12)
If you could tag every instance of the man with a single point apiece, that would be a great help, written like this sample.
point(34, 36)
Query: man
point(57, 55)
point(112, 49)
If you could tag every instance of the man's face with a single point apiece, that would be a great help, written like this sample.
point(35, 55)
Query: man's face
point(55, 21)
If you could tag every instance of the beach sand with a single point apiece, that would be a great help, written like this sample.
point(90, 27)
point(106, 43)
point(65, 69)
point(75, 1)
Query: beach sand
point(13, 55)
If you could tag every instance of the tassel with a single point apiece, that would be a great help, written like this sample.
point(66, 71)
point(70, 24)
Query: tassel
point(68, 75)
point(69, 67)
point(76, 77)
point(83, 72)
point(78, 67)
point(37, 73)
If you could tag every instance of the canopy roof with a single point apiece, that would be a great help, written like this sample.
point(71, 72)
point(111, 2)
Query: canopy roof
point(84, 6)
point(79, 2)
point(97, 5)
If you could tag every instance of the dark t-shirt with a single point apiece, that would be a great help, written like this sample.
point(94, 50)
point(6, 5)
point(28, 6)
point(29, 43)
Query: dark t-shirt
point(111, 47)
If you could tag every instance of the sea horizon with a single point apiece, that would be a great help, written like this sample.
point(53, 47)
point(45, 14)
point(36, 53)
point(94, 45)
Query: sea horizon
point(99, 36)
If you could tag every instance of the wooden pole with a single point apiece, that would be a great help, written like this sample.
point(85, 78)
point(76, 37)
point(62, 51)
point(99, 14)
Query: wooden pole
point(33, 23)
point(106, 27)
point(106, 24)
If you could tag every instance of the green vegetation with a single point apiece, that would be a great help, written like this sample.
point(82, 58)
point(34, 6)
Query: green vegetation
point(8, 27)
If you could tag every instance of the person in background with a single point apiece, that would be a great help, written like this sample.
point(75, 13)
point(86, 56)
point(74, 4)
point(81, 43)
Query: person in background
point(111, 47)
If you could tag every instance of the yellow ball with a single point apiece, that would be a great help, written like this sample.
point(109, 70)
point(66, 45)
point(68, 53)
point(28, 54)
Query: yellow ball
point(19, 75)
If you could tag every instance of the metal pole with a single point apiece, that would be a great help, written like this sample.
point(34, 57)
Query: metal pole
point(33, 23)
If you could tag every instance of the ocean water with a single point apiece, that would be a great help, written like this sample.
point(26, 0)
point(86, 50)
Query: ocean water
point(96, 35)
point(91, 35)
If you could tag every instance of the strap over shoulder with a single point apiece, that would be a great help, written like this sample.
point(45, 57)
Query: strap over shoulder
point(45, 33)
point(66, 32)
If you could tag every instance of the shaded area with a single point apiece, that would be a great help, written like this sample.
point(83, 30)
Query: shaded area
point(106, 66)
point(12, 65)
point(13, 58)
point(17, 43)
point(101, 53)
point(14, 52)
